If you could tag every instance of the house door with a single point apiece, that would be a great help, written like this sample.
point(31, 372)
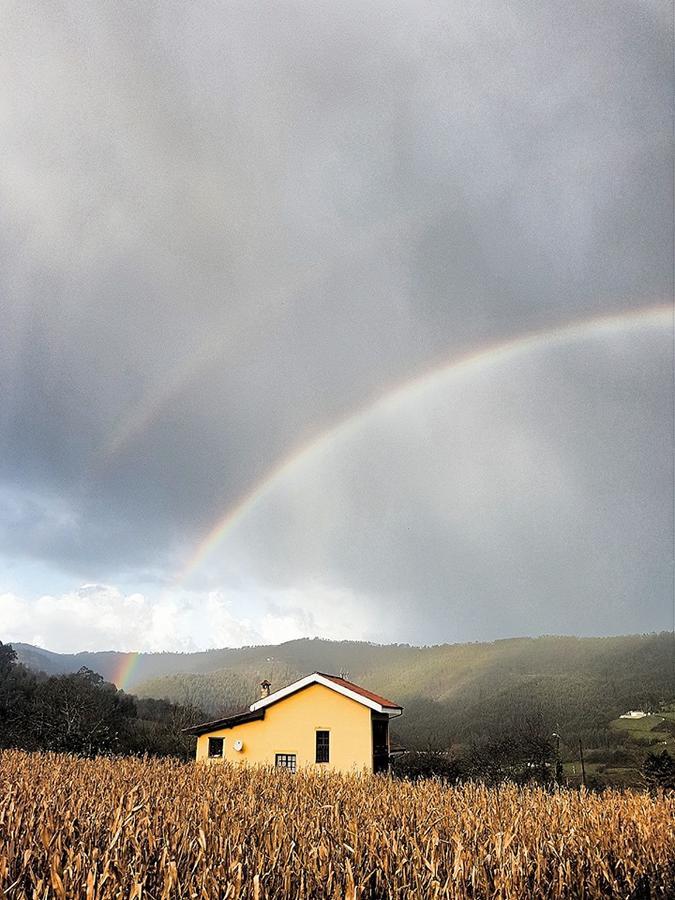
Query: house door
point(380, 744)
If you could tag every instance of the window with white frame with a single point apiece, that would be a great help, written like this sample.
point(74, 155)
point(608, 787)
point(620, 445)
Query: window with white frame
point(285, 761)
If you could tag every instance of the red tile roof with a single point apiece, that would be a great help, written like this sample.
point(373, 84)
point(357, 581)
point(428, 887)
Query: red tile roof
point(362, 691)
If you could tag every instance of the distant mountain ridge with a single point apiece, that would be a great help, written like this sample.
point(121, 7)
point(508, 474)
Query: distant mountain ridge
point(450, 691)
point(303, 655)
point(110, 663)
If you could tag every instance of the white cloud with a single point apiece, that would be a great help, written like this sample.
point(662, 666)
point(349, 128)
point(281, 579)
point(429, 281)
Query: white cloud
point(93, 616)
point(98, 616)
point(317, 611)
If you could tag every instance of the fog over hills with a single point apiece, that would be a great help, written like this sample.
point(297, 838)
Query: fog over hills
point(450, 691)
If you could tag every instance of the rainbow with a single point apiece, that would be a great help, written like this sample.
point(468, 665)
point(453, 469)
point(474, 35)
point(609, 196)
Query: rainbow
point(155, 400)
point(125, 670)
point(171, 384)
point(497, 354)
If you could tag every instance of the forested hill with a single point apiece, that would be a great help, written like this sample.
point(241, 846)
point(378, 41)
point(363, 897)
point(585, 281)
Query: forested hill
point(450, 691)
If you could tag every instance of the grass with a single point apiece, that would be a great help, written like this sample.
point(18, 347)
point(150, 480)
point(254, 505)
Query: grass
point(648, 732)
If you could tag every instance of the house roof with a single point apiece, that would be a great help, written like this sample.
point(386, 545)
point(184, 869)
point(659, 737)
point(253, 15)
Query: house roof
point(336, 679)
point(335, 683)
point(227, 722)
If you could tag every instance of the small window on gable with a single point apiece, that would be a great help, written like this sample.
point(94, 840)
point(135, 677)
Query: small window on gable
point(216, 747)
point(323, 746)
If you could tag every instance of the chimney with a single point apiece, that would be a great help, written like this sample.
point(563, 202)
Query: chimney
point(265, 689)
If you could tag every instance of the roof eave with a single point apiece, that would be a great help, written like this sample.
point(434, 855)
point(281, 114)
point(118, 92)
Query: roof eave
point(223, 724)
point(320, 678)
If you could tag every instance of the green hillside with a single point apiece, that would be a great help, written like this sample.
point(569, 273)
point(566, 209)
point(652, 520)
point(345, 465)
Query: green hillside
point(656, 731)
point(452, 693)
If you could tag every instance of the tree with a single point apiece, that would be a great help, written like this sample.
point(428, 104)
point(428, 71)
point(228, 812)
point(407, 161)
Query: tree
point(17, 685)
point(659, 771)
point(82, 713)
point(7, 659)
point(526, 752)
point(418, 764)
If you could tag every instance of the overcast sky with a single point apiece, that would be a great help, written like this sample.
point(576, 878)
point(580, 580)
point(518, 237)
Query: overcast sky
point(233, 232)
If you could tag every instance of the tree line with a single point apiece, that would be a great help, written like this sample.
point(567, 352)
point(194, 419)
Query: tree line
point(81, 713)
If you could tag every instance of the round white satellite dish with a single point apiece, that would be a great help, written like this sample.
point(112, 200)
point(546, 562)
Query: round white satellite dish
point(238, 746)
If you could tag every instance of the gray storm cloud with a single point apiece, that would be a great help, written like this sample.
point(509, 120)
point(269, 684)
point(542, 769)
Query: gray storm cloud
point(527, 495)
point(224, 226)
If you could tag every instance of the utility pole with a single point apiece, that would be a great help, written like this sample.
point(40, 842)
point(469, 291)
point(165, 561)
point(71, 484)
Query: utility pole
point(583, 768)
point(558, 762)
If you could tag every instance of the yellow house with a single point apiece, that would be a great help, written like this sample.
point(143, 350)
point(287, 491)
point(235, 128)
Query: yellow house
point(320, 721)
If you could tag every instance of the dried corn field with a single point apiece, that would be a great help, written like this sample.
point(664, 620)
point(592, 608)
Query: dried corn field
point(126, 828)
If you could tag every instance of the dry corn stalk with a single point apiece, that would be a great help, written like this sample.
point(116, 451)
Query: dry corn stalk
point(151, 829)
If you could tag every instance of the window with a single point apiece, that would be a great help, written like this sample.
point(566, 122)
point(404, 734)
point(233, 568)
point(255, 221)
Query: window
point(216, 747)
point(323, 746)
point(285, 761)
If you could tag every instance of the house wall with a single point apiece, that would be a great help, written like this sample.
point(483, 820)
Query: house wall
point(290, 726)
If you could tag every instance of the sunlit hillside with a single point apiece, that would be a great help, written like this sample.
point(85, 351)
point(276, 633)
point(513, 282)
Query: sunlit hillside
point(451, 693)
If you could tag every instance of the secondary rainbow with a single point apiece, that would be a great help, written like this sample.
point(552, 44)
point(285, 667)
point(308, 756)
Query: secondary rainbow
point(660, 316)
